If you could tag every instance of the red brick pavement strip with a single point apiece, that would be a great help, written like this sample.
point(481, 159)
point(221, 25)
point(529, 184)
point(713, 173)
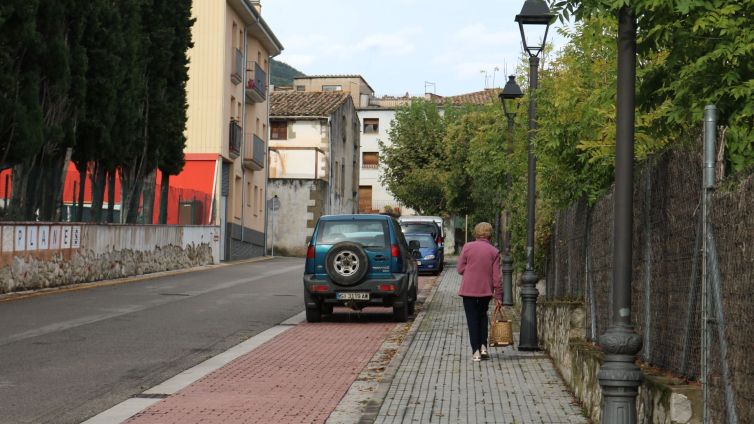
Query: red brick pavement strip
point(298, 377)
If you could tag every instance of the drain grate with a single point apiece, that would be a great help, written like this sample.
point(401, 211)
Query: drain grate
point(151, 396)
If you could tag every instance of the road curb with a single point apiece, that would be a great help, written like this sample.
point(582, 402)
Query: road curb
point(363, 400)
point(10, 297)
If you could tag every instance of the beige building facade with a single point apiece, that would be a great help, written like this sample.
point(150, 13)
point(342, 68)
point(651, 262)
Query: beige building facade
point(228, 119)
point(313, 164)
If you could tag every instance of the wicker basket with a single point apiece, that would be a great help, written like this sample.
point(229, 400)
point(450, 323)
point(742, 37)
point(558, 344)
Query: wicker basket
point(501, 329)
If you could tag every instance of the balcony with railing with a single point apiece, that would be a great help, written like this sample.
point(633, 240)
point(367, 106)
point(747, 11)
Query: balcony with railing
point(256, 83)
point(236, 76)
point(253, 156)
point(235, 137)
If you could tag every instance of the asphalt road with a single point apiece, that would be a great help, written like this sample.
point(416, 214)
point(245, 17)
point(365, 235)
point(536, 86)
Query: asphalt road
point(67, 356)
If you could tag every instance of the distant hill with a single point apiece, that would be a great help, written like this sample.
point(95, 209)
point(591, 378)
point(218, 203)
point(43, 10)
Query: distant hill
point(282, 73)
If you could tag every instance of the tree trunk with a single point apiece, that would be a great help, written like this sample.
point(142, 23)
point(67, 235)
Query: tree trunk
point(82, 186)
point(133, 208)
point(125, 195)
point(147, 211)
point(98, 191)
point(164, 193)
point(18, 197)
point(58, 205)
point(111, 195)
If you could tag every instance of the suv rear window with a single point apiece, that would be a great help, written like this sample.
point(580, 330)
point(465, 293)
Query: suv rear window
point(368, 233)
point(420, 228)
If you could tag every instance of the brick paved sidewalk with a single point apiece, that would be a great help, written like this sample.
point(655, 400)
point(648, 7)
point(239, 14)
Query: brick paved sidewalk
point(299, 377)
point(437, 382)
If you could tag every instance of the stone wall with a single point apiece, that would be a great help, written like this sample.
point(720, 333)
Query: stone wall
point(302, 202)
point(42, 255)
point(661, 400)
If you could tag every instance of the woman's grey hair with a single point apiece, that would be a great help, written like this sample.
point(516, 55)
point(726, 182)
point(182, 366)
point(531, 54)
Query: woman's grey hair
point(483, 230)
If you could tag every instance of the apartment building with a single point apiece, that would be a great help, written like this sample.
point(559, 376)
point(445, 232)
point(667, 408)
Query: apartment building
point(228, 122)
point(313, 164)
point(355, 85)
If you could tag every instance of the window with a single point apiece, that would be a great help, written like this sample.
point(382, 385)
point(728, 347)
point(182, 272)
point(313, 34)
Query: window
point(260, 202)
point(256, 195)
point(342, 179)
point(279, 130)
point(370, 159)
point(300, 88)
point(237, 198)
point(332, 88)
point(371, 125)
point(235, 31)
point(248, 194)
point(372, 233)
point(337, 177)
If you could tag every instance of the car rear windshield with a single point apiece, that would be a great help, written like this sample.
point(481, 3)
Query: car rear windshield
point(368, 233)
point(423, 239)
point(427, 228)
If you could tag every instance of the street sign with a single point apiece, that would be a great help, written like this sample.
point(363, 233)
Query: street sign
point(273, 204)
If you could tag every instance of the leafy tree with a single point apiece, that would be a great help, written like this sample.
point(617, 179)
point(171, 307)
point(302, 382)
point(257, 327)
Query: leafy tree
point(691, 53)
point(414, 163)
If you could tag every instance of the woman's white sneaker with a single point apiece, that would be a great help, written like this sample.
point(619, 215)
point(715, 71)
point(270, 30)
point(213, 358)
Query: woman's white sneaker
point(476, 357)
point(483, 352)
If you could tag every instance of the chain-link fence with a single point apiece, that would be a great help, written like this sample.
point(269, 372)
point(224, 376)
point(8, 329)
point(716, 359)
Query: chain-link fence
point(667, 275)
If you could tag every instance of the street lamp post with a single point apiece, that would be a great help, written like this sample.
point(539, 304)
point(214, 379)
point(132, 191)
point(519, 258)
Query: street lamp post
point(619, 376)
point(509, 98)
point(534, 18)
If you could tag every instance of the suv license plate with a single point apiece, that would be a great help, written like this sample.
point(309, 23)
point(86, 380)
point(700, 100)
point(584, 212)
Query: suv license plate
point(352, 296)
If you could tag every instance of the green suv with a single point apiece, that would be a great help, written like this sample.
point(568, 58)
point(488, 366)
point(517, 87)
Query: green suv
point(358, 261)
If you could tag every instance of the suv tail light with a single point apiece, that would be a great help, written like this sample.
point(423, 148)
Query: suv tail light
point(310, 252)
point(394, 251)
point(319, 288)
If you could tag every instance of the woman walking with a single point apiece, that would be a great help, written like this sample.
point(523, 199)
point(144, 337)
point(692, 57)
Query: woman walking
point(479, 265)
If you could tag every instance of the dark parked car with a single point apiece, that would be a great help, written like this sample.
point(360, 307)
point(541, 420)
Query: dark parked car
point(429, 228)
point(358, 261)
point(431, 253)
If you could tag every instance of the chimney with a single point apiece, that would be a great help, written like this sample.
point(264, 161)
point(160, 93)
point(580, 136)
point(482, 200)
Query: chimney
point(257, 5)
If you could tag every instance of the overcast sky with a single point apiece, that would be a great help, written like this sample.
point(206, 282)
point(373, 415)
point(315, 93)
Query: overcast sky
point(397, 45)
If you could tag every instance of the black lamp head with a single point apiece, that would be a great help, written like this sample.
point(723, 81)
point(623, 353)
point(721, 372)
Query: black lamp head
point(534, 14)
point(510, 94)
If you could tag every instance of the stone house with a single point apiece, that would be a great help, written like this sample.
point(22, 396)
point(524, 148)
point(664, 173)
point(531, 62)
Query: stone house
point(313, 163)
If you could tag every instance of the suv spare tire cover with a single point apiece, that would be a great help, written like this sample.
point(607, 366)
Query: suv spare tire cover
point(346, 263)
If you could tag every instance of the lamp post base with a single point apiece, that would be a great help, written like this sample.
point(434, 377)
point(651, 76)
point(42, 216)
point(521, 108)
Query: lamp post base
point(507, 279)
point(619, 376)
point(528, 339)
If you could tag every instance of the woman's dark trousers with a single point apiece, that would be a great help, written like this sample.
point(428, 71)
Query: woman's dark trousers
point(476, 317)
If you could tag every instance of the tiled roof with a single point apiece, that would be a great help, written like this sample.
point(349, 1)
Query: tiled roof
point(306, 103)
point(476, 98)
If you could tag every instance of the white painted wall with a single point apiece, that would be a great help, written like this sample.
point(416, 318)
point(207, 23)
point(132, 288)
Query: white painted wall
point(369, 143)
